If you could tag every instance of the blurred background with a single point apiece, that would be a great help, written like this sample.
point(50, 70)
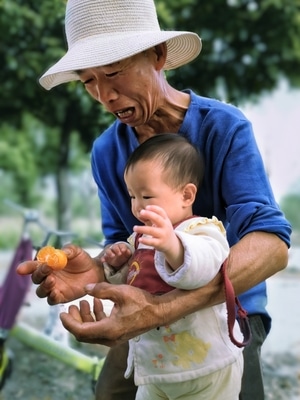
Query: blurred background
point(250, 58)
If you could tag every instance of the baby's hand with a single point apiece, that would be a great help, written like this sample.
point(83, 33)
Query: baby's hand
point(116, 255)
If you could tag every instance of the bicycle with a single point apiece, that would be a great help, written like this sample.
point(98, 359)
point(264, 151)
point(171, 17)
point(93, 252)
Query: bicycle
point(50, 341)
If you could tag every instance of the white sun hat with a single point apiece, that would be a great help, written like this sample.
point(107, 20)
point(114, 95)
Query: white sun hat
point(101, 32)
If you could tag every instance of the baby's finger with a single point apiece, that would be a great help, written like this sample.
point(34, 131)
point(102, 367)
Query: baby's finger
point(156, 218)
point(156, 210)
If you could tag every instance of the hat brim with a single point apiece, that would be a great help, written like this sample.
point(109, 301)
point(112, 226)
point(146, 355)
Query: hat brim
point(96, 51)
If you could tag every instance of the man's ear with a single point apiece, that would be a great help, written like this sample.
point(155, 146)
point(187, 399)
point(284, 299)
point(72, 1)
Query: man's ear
point(161, 55)
point(189, 194)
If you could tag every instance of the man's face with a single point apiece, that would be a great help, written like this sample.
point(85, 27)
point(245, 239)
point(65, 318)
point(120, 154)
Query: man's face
point(129, 89)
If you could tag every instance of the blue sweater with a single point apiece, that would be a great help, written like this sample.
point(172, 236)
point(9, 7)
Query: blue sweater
point(235, 188)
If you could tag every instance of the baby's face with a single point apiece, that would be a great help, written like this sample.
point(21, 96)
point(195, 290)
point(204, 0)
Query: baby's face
point(146, 186)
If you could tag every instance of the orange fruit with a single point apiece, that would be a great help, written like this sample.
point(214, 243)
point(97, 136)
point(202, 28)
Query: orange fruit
point(54, 258)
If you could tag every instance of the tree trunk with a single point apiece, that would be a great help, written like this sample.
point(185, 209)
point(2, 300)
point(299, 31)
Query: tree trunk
point(62, 177)
point(63, 199)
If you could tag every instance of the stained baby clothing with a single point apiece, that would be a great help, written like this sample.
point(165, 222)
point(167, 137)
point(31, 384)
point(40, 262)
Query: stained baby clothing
point(197, 344)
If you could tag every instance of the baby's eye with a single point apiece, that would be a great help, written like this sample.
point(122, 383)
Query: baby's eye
point(147, 197)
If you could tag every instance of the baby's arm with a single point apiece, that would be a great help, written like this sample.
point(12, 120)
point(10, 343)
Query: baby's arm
point(205, 250)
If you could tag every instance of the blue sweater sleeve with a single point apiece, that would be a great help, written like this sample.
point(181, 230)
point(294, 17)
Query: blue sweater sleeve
point(249, 200)
point(248, 197)
point(236, 187)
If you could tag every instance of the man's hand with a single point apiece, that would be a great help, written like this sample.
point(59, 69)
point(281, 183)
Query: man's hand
point(64, 285)
point(135, 311)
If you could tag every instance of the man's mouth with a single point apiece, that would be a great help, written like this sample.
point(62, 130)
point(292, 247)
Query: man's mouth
point(126, 113)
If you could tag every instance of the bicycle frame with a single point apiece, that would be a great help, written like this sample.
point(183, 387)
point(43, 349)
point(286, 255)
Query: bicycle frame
point(46, 342)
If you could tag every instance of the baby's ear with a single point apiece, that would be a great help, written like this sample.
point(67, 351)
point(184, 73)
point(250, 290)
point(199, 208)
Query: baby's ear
point(189, 193)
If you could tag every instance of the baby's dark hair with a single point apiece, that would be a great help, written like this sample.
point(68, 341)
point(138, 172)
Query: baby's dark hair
point(181, 160)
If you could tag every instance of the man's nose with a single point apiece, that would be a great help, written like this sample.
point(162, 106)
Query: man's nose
point(106, 92)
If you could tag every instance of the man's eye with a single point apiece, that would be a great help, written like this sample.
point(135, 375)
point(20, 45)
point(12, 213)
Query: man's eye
point(112, 74)
point(87, 81)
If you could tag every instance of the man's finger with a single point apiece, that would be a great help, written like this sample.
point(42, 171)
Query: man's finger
point(27, 267)
point(99, 310)
point(105, 291)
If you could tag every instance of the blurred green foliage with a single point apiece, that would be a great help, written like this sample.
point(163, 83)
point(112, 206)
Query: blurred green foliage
point(248, 45)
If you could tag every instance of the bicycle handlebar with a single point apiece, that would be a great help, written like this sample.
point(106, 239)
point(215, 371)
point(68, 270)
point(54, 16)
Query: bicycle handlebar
point(33, 216)
point(29, 215)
